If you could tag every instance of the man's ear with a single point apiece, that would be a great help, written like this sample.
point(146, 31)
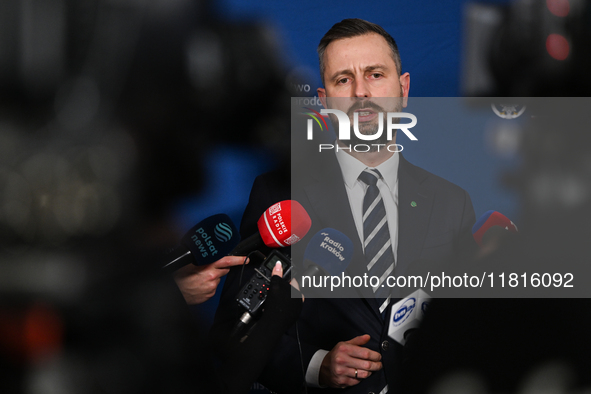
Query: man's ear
point(322, 96)
point(405, 85)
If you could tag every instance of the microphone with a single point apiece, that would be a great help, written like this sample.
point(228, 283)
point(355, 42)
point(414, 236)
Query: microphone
point(327, 255)
point(206, 242)
point(491, 222)
point(407, 315)
point(329, 252)
point(282, 224)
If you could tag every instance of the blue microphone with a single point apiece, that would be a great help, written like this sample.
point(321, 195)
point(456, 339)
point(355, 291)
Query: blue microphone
point(206, 242)
point(329, 252)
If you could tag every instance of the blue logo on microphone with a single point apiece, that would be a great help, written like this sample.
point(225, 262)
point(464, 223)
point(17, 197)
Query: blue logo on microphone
point(223, 232)
point(404, 311)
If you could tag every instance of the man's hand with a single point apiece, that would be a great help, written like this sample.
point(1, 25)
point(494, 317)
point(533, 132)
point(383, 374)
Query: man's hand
point(198, 283)
point(338, 369)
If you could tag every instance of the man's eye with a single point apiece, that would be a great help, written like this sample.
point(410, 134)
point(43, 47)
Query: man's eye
point(376, 75)
point(343, 81)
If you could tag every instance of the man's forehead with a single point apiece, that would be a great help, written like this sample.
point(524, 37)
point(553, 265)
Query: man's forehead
point(371, 49)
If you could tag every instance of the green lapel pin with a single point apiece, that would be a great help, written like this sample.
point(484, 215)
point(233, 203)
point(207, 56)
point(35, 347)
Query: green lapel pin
point(413, 204)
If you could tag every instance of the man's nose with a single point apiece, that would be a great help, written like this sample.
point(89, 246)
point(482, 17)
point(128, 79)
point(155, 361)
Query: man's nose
point(360, 88)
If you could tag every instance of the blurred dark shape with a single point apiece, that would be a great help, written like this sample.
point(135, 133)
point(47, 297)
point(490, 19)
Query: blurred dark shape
point(27, 335)
point(501, 341)
point(216, 83)
point(481, 23)
point(106, 110)
point(57, 188)
point(555, 179)
point(129, 333)
point(528, 49)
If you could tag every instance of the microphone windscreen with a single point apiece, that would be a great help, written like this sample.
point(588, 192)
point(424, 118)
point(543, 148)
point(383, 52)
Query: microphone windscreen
point(488, 220)
point(331, 250)
point(407, 314)
point(284, 224)
point(211, 239)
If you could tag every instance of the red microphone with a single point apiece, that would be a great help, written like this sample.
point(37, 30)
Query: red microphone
point(489, 220)
point(282, 224)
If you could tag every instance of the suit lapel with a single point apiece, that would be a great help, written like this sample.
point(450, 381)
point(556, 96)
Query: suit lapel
point(415, 203)
point(329, 200)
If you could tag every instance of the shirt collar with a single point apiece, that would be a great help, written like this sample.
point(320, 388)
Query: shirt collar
point(352, 168)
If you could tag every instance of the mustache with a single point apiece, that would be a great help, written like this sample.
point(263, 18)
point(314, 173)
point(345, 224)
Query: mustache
point(364, 105)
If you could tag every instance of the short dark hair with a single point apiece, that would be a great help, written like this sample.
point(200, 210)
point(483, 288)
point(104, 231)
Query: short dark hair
point(348, 28)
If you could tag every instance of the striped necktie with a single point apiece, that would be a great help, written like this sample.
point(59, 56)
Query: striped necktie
point(377, 242)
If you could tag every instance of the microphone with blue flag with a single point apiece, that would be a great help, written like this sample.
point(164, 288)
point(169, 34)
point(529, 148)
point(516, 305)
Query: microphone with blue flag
point(206, 242)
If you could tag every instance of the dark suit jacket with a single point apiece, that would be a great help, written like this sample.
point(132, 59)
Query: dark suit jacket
point(438, 226)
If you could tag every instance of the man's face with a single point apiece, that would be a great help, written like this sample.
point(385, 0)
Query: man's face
point(362, 68)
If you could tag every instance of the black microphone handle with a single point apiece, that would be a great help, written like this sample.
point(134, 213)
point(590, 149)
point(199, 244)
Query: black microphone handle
point(183, 258)
point(314, 270)
point(247, 245)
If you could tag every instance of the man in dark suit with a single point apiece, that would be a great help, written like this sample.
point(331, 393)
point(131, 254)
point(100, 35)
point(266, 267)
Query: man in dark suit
point(343, 343)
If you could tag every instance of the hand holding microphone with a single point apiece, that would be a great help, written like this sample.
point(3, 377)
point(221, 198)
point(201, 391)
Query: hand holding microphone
point(199, 283)
point(212, 247)
point(206, 242)
point(200, 261)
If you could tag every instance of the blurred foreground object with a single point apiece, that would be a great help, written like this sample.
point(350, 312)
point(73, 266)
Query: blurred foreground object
point(527, 49)
point(106, 110)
